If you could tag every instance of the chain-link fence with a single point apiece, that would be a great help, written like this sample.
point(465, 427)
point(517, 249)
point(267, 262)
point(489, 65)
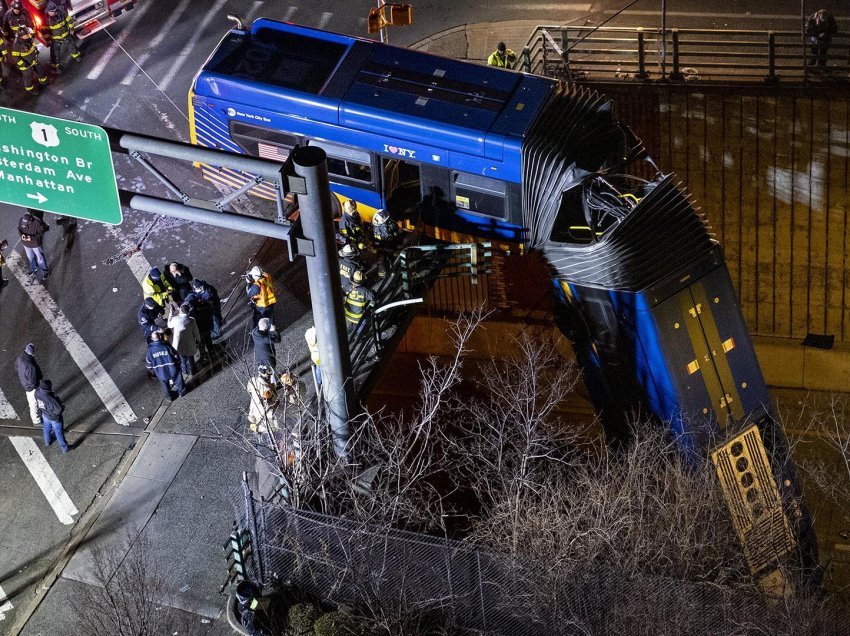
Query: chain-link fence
point(409, 578)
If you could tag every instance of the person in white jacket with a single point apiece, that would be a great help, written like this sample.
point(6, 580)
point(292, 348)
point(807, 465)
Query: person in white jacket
point(185, 338)
point(262, 389)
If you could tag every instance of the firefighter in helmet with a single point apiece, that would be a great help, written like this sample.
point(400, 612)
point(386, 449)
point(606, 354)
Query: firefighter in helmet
point(58, 32)
point(260, 290)
point(356, 303)
point(4, 58)
point(349, 262)
point(16, 18)
point(386, 238)
point(25, 56)
point(351, 225)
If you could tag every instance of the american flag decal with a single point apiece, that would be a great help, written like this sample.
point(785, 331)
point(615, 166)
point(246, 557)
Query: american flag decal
point(273, 152)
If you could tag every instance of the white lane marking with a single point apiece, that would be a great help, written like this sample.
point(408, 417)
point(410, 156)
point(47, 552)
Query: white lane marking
point(690, 14)
point(91, 367)
point(326, 17)
point(575, 6)
point(6, 413)
point(116, 45)
point(211, 14)
point(290, 13)
point(5, 604)
point(137, 262)
point(253, 10)
point(173, 19)
point(46, 479)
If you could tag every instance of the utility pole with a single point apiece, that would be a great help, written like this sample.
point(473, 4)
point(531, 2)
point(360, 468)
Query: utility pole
point(317, 224)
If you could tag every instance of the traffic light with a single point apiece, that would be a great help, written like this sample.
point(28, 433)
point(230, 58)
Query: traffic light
point(399, 15)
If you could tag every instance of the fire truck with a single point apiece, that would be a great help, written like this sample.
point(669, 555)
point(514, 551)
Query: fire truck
point(90, 16)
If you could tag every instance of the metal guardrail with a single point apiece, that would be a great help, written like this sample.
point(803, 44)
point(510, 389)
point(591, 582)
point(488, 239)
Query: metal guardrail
point(610, 53)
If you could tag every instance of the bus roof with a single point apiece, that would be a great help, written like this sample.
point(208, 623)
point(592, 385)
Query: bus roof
point(366, 86)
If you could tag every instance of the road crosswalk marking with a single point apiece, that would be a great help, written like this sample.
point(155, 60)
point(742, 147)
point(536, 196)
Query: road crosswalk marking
point(7, 412)
point(91, 367)
point(212, 13)
point(164, 30)
point(118, 44)
point(46, 479)
point(326, 17)
point(290, 13)
point(5, 604)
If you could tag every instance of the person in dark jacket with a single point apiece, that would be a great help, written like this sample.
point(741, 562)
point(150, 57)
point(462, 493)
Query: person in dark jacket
point(180, 278)
point(51, 408)
point(59, 34)
point(16, 18)
point(203, 290)
point(820, 27)
point(32, 229)
point(29, 375)
point(148, 314)
point(202, 312)
point(25, 56)
point(162, 360)
point(264, 336)
point(349, 262)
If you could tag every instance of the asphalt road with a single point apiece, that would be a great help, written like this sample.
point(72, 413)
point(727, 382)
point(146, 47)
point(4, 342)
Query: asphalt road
point(82, 321)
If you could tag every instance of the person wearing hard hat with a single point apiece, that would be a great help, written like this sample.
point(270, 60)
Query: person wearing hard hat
point(349, 262)
point(260, 290)
point(25, 56)
point(59, 35)
point(356, 302)
point(351, 225)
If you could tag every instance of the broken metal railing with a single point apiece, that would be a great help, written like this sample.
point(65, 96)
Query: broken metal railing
point(722, 55)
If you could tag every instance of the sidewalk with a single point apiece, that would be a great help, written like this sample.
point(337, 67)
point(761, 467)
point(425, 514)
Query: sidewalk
point(475, 42)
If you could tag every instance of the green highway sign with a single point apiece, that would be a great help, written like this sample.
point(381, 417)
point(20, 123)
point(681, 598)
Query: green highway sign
point(58, 166)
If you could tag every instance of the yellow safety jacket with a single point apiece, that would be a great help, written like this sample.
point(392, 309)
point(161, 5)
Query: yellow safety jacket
point(355, 304)
point(266, 296)
point(496, 59)
point(24, 53)
point(158, 290)
point(59, 27)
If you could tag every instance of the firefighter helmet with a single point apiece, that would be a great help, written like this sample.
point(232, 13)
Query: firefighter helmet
point(350, 206)
point(348, 250)
point(16, 6)
point(256, 272)
point(357, 276)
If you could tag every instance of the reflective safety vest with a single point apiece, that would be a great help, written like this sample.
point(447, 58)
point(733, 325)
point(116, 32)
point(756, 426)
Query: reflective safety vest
point(501, 61)
point(266, 296)
point(355, 303)
point(24, 53)
point(59, 26)
point(158, 290)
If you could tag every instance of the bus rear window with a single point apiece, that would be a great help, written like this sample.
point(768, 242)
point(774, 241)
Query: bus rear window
point(480, 195)
point(282, 59)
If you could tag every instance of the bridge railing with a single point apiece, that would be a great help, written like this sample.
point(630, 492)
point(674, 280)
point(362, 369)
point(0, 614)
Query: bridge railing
point(721, 55)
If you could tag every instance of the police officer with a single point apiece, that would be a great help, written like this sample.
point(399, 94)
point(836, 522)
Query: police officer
point(502, 57)
point(260, 290)
point(351, 225)
point(147, 317)
point(16, 18)
point(355, 303)
point(203, 290)
point(162, 360)
point(349, 262)
point(58, 32)
point(25, 55)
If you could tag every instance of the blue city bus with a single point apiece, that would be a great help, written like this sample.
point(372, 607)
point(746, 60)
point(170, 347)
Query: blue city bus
point(535, 164)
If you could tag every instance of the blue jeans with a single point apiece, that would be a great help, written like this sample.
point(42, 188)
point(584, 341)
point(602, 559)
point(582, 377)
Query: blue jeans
point(55, 428)
point(35, 255)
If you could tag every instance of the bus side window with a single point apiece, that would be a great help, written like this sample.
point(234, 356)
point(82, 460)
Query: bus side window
point(345, 163)
point(481, 195)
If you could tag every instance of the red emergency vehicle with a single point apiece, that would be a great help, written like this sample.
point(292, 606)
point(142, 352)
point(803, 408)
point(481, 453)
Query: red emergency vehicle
point(90, 16)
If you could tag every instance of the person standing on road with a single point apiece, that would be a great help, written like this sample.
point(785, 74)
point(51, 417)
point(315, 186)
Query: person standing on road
point(32, 229)
point(5, 50)
point(262, 390)
point(351, 225)
point(16, 18)
point(186, 337)
point(313, 347)
point(51, 409)
point(203, 290)
point(58, 34)
point(264, 336)
point(260, 290)
point(29, 375)
point(180, 279)
point(202, 312)
point(25, 56)
point(355, 303)
point(162, 360)
point(502, 57)
point(820, 27)
point(156, 287)
point(149, 313)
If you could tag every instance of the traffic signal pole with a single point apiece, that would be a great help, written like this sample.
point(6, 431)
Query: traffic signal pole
point(317, 224)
